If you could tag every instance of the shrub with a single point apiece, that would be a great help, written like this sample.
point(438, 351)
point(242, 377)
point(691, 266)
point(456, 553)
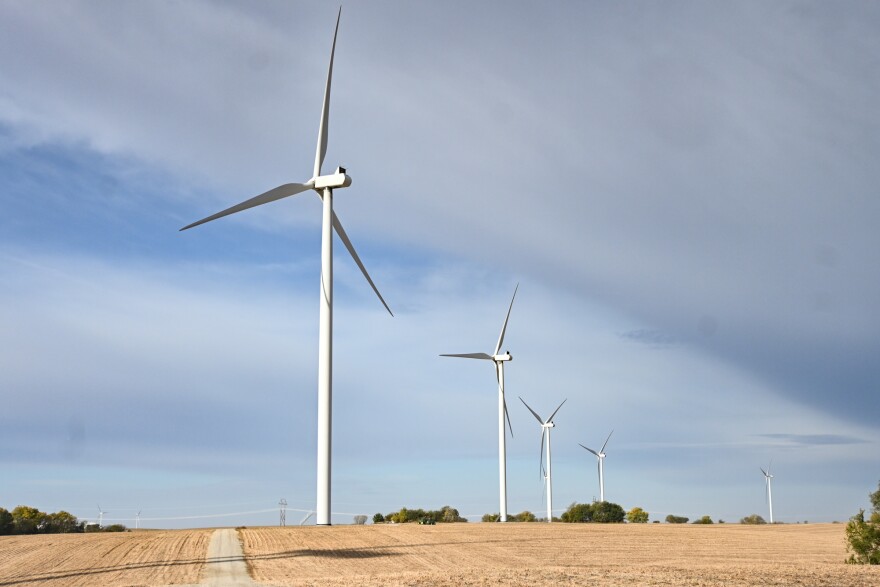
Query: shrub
point(605, 512)
point(115, 528)
point(753, 519)
point(578, 513)
point(491, 517)
point(601, 512)
point(863, 537)
point(670, 519)
point(704, 520)
point(525, 516)
point(378, 519)
point(360, 520)
point(637, 516)
point(7, 523)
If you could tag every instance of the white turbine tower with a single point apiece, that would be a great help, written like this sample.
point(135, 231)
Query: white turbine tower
point(767, 478)
point(324, 186)
point(546, 425)
point(100, 517)
point(499, 361)
point(600, 456)
point(137, 520)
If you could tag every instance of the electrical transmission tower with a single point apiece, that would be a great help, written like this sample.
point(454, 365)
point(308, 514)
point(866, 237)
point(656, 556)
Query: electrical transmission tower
point(283, 511)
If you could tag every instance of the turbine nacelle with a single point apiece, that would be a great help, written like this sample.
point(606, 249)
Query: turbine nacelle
point(505, 357)
point(338, 179)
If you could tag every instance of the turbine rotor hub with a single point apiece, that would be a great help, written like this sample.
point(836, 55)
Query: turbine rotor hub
point(338, 179)
point(505, 357)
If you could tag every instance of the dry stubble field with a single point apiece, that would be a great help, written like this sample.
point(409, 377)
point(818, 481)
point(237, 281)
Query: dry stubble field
point(454, 554)
point(557, 554)
point(111, 559)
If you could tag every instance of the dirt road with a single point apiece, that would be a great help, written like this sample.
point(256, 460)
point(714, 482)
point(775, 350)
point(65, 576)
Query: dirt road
point(224, 564)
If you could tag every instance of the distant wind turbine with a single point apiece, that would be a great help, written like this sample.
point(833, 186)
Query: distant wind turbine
point(767, 478)
point(324, 186)
point(546, 425)
point(100, 516)
point(499, 361)
point(601, 458)
point(137, 520)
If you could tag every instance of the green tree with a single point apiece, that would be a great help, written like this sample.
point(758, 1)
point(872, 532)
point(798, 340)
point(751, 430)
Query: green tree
point(378, 519)
point(7, 523)
point(863, 537)
point(525, 516)
point(637, 516)
point(605, 512)
point(704, 520)
point(578, 513)
point(753, 519)
point(62, 523)
point(449, 514)
point(670, 519)
point(28, 520)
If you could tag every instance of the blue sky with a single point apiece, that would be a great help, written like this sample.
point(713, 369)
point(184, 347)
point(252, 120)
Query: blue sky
point(685, 193)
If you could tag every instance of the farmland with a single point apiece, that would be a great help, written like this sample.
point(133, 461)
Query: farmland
point(451, 554)
point(107, 559)
point(543, 554)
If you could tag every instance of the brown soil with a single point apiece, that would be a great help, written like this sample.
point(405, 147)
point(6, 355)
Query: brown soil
point(107, 559)
point(557, 554)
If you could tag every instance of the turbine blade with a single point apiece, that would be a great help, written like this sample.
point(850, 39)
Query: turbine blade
point(763, 471)
point(543, 432)
point(282, 191)
point(550, 419)
point(507, 415)
point(341, 232)
point(498, 369)
point(504, 328)
point(589, 449)
point(768, 467)
point(325, 108)
point(606, 441)
point(471, 356)
point(537, 417)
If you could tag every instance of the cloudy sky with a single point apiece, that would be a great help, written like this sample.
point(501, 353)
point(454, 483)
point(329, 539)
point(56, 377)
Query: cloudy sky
point(686, 194)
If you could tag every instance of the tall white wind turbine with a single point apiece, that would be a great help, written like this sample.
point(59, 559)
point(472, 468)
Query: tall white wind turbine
point(600, 456)
point(101, 517)
point(767, 478)
point(324, 186)
point(546, 425)
point(499, 361)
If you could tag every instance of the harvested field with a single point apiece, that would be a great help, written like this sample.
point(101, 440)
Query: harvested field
point(107, 559)
point(544, 554)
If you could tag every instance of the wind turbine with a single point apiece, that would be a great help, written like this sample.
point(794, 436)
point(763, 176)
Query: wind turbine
point(499, 361)
point(324, 186)
point(100, 517)
point(546, 425)
point(137, 520)
point(601, 457)
point(767, 478)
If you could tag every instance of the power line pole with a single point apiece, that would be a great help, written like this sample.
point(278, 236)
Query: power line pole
point(283, 511)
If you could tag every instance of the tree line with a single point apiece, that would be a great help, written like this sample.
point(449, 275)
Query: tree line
point(446, 514)
point(29, 520)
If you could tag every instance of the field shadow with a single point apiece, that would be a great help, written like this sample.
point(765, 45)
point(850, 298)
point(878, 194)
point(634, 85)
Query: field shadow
point(96, 571)
point(380, 551)
point(344, 553)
